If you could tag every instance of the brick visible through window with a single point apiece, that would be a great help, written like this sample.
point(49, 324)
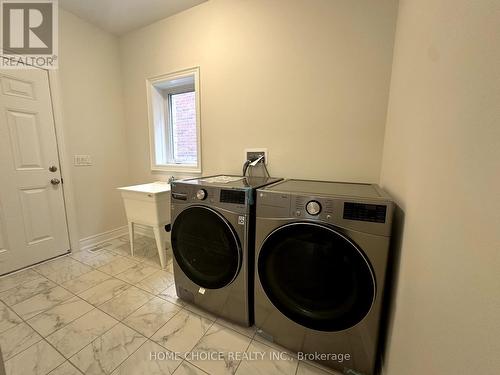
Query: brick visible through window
point(183, 112)
point(174, 124)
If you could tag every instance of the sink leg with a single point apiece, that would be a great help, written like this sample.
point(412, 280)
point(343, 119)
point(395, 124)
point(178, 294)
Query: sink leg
point(159, 245)
point(131, 235)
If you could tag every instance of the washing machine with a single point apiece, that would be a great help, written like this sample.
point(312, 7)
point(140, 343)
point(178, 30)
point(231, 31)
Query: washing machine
point(212, 236)
point(321, 256)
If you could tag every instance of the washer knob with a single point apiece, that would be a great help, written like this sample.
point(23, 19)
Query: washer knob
point(201, 194)
point(313, 208)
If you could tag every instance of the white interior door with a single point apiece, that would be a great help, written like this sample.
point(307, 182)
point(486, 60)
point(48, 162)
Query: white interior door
point(33, 224)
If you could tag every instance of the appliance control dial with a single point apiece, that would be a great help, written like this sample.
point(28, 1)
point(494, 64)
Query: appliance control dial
point(201, 194)
point(313, 208)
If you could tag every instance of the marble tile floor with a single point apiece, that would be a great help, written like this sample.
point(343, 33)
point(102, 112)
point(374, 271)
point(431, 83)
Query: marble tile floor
point(109, 313)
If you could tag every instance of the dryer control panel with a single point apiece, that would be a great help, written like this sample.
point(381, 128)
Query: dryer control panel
point(366, 215)
point(314, 207)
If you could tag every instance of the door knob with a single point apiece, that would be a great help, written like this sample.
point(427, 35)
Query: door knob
point(55, 181)
point(53, 168)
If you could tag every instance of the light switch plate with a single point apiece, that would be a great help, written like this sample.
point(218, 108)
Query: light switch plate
point(82, 160)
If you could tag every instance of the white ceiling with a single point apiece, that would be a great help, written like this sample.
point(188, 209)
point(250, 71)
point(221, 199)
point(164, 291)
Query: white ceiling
point(121, 16)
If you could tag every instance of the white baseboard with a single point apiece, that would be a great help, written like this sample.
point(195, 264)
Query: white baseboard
point(101, 237)
point(144, 230)
point(140, 230)
point(147, 231)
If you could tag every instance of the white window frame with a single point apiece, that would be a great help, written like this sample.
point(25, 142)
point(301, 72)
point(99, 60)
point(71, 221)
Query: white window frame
point(158, 114)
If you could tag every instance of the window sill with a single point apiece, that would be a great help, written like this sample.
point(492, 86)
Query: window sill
point(176, 168)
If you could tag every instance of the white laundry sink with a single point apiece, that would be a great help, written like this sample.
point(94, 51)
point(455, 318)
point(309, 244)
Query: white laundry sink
point(147, 204)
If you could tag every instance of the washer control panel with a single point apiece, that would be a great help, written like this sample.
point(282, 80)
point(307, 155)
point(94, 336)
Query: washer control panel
point(201, 194)
point(234, 200)
point(313, 208)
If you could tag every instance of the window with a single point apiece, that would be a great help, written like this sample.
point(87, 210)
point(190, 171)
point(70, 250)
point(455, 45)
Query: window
point(174, 121)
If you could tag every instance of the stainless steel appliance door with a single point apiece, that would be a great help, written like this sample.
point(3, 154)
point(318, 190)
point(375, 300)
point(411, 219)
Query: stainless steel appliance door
point(316, 276)
point(206, 247)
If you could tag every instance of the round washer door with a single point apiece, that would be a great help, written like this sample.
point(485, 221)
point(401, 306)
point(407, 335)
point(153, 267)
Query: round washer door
point(206, 247)
point(316, 276)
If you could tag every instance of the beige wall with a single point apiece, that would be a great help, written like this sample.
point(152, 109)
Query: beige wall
point(442, 163)
point(94, 121)
point(308, 80)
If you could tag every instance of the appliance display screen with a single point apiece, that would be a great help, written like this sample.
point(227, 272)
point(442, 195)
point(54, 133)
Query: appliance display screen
point(232, 196)
point(374, 213)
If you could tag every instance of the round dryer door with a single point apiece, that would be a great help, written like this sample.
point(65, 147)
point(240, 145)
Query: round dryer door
point(206, 247)
point(316, 276)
